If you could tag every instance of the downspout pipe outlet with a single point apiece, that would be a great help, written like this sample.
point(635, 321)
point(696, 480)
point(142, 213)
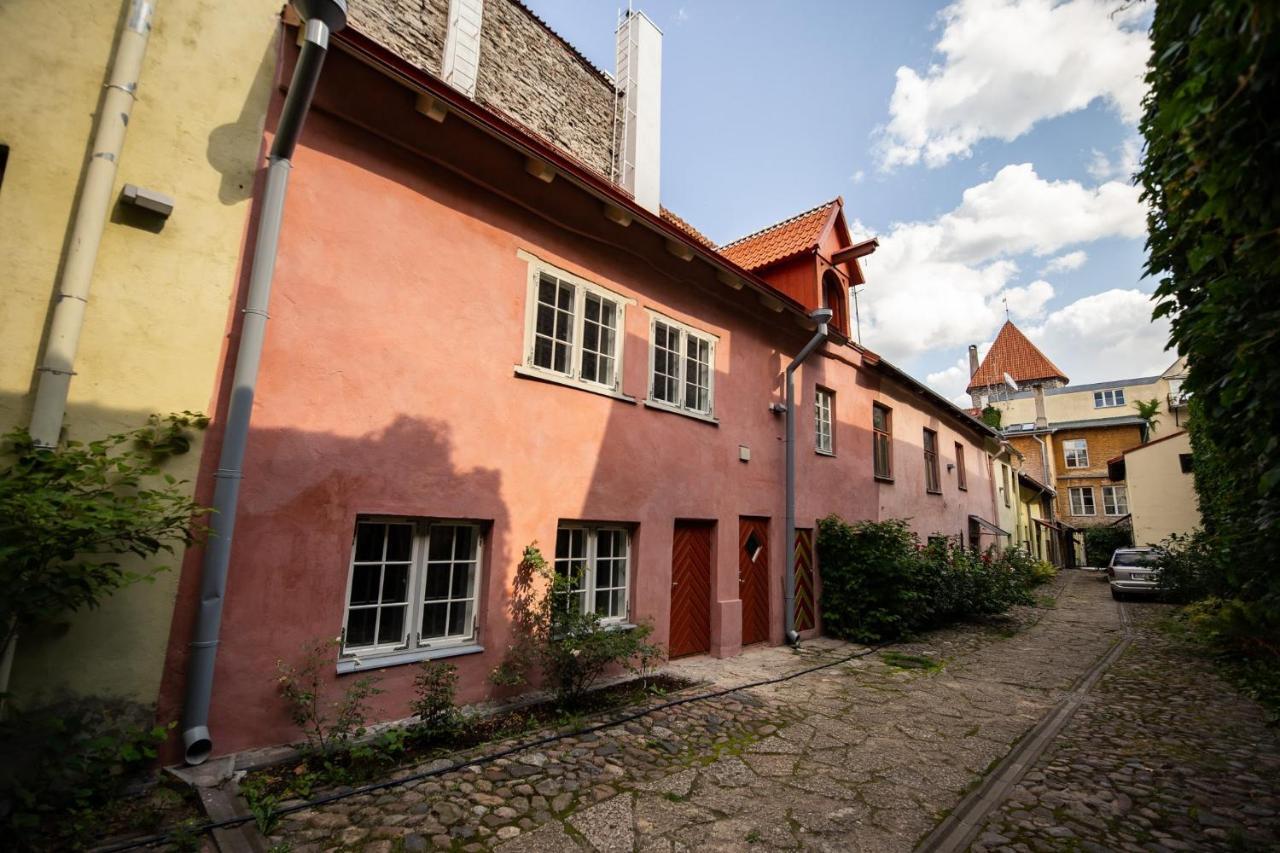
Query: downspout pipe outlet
point(822, 317)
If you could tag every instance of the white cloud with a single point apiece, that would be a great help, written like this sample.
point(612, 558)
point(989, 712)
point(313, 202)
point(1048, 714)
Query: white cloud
point(1108, 335)
point(1065, 263)
point(1007, 64)
point(943, 283)
point(1122, 163)
point(952, 381)
point(858, 176)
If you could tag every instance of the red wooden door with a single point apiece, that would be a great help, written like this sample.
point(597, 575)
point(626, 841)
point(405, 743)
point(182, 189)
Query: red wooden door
point(753, 578)
point(690, 589)
point(806, 581)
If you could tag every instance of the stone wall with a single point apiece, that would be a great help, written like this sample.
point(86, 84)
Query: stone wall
point(526, 71)
point(534, 77)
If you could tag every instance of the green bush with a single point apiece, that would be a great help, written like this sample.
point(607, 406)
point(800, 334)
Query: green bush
point(328, 723)
point(434, 688)
point(1101, 542)
point(568, 648)
point(63, 762)
point(879, 583)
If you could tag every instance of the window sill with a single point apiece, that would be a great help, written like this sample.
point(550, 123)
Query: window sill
point(937, 492)
point(371, 662)
point(525, 372)
point(828, 453)
point(675, 410)
point(882, 479)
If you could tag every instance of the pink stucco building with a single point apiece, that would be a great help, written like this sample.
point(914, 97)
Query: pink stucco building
point(480, 340)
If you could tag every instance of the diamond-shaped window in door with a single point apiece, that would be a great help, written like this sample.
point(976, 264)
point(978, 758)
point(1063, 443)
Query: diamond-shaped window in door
point(753, 547)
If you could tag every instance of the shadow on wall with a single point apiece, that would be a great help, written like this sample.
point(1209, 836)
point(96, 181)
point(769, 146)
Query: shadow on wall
point(287, 585)
point(233, 146)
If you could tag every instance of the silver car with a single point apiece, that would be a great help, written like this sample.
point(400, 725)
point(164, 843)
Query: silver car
point(1132, 571)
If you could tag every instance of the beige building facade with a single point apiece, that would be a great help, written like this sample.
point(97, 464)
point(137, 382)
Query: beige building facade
point(1099, 400)
point(156, 317)
point(1162, 494)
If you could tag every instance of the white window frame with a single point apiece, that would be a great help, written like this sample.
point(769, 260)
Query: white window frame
point(411, 646)
point(1079, 454)
point(1075, 492)
point(824, 421)
point(1115, 495)
point(588, 590)
point(581, 288)
point(686, 331)
point(1109, 398)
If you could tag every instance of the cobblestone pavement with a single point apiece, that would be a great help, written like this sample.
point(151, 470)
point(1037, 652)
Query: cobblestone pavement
point(865, 755)
point(1163, 755)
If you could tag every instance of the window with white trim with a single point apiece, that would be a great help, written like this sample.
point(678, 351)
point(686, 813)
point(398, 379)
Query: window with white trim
point(1108, 399)
point(573, 328)
point(597, 560)
point(1081, 498)
point(1115, 500)
point(412, 585)
point(824, 406)
point(681, 367)
point(1075, 452)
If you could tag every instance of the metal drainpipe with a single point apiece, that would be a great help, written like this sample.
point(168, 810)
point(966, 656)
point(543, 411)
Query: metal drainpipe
point(822, 316)
point(58, 365)
point(321, 18)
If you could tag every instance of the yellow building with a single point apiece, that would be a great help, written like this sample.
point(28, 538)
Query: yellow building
point(1162, 496)
point(156, 317)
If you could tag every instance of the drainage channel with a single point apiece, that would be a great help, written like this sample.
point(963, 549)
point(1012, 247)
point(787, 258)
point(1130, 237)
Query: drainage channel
point(957, 831)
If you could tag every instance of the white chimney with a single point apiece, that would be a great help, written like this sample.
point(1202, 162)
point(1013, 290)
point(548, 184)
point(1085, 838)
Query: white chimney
point(460, 67)
point(638, 146)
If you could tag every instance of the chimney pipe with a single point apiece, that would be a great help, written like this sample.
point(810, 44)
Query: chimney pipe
point(460, 66)
point(1042, 420)
point(973, 360)
point(637, 131)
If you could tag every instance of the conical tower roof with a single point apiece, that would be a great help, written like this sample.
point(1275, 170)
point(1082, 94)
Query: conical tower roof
point(1014, 354)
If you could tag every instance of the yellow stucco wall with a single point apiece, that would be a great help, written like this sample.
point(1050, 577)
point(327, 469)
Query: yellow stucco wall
point(1069, 405)
point(159, 303)
point(1161, 497)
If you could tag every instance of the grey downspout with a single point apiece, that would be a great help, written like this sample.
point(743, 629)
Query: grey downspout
point(321, 18)
point(822, 316)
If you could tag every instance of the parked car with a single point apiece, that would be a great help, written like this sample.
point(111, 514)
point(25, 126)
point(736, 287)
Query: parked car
point(1132, 571)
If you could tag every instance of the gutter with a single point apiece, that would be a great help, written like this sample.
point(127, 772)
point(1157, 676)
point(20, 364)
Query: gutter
point(821, 316)
point(321, 17)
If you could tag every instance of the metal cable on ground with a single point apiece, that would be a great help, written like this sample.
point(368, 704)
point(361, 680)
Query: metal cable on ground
point(492, 757)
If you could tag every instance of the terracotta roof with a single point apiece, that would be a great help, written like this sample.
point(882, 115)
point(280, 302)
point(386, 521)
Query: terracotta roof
point(1013, 354)
point(688, 229)
point(782, 240)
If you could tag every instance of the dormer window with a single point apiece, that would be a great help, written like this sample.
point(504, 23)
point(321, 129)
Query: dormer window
point(1108, 399)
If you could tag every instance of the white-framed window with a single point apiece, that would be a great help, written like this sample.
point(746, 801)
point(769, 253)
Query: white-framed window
point(412, 584)
point(681, 367)
point(573, 328)
point(824, 408)
point(1115, 500)
point(1081, 498)
point(1109, 398)
point(598, 558)
point(1075, 452)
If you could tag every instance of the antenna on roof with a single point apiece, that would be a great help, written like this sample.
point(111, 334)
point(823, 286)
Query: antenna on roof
point(1005, 300)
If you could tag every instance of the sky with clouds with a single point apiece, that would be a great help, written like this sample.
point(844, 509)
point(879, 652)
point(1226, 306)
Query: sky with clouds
point(989, 144)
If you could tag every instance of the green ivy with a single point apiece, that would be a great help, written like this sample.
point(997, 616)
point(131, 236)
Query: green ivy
point(1213, 140)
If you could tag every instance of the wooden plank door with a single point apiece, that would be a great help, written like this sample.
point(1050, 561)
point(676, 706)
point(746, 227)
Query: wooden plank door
point(806, 581)
point(753, 578)
point(690, 589)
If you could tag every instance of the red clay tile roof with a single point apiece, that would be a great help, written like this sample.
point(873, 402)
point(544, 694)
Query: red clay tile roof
point(782, 240)
point(1013, 354)
point(688, 229)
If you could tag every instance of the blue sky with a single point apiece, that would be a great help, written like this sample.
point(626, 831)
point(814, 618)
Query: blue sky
point(986, 142)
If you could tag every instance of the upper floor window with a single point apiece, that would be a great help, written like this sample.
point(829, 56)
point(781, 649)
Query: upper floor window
point(681, 367)
point(824, 405)
point(596, 561)
point(574, 329)
point(962, 476)
point(1081, 498)
point(1109, 398)
point(882, 440)
point(1115, 500)
point(412, 585)
point(1075, 452)
point(1184, 462)
point(932, 476)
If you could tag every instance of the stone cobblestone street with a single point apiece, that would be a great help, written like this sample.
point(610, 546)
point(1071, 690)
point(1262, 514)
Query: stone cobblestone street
point(870, 754)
